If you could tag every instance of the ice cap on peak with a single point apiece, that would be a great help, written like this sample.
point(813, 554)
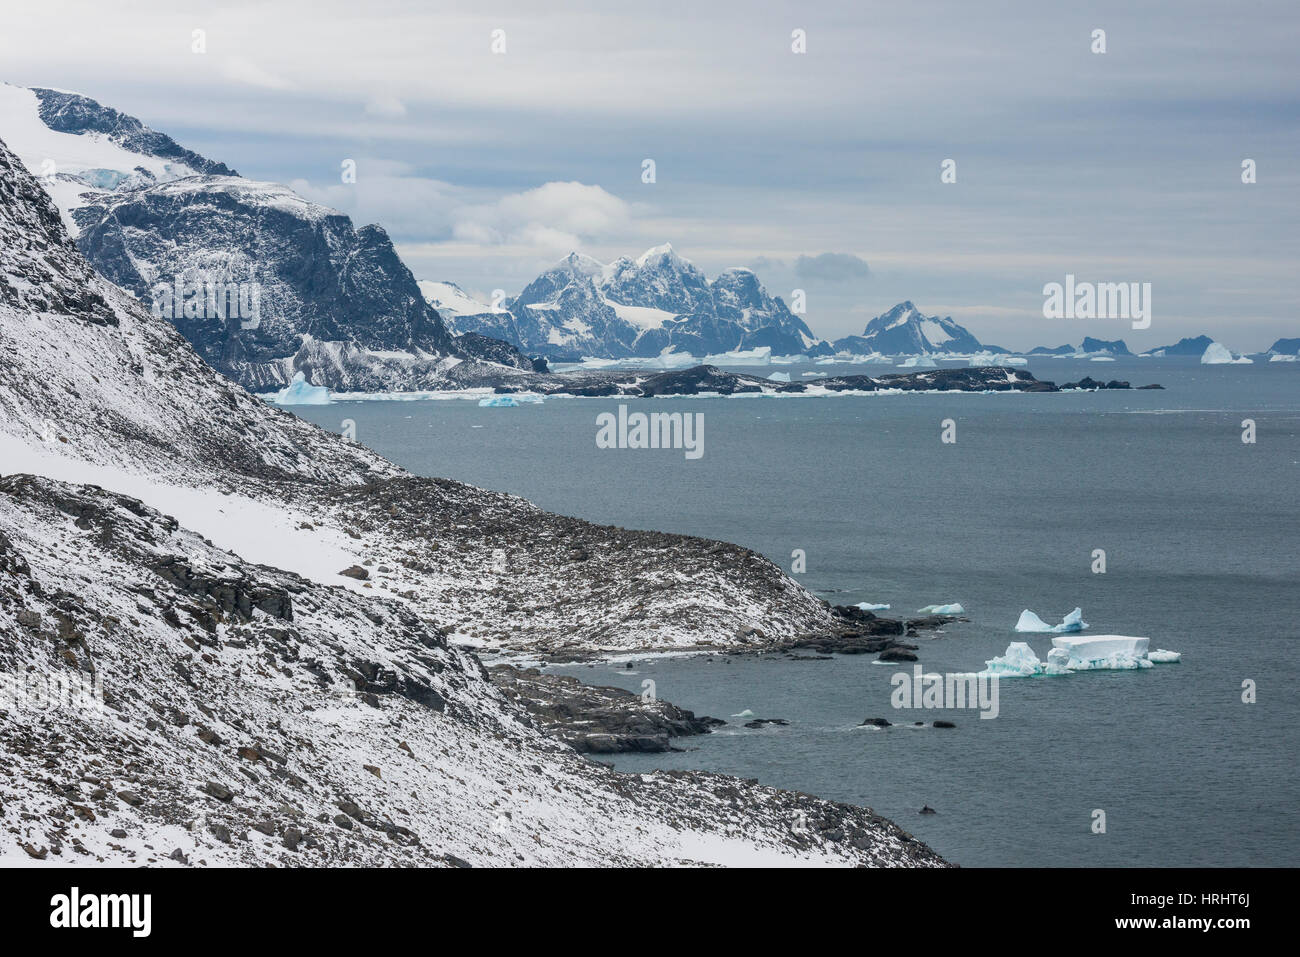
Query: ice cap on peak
point(655, 252)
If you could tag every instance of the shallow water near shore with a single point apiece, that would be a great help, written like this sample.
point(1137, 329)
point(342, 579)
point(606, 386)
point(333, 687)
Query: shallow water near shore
point(1200, 532)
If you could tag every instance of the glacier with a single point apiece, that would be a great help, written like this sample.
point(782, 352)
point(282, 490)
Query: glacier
point(1029, 622)
point(302, 392)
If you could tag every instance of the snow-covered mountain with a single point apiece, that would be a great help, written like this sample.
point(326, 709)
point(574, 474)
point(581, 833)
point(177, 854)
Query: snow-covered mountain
point(262, 282)
point(905, 330)
point(247, 703)
point(633, 307)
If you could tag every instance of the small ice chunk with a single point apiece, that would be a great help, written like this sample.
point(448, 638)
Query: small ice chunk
point(953, 609)
point(498, 402)
point(867, 606)
point(1029, 622)
point(1162, 657)
point(302, 392)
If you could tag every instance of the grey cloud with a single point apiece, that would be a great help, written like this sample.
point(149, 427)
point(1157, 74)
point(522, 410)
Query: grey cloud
point(832, 267)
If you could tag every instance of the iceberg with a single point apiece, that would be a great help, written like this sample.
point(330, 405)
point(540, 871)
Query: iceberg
point(918, 362)
point(498, 402)
point(1067, 655)
point(1021, 662)
point(867, 606)
point(747, 357)
point(779, 377)
point(302, 392)
point(992, 359)
point(1032, 623)
point(1218, 355)
point(1104, 652)
point(953, 609)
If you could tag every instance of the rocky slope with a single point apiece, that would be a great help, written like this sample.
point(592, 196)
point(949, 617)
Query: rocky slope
point(259, 707)
point(658, 302)
point(164, 702)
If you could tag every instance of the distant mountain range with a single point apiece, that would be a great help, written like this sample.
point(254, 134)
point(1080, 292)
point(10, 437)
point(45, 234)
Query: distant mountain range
point(336, 302)
point(643, 307)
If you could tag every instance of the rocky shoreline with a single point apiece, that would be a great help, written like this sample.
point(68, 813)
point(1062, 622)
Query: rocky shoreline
point(596, 719)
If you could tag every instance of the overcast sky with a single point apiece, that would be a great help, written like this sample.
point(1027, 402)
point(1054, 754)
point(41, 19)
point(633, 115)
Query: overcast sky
point(820, 170)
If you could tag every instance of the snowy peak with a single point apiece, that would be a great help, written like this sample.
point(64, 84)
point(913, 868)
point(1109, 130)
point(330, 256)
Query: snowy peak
point(80, 115)
point(450, 300)
point(662, 254)
point(639, 307)
point(905, 330)
point(82, 150)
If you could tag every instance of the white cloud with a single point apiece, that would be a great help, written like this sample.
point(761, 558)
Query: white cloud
point(556, 216)
point(245, 71)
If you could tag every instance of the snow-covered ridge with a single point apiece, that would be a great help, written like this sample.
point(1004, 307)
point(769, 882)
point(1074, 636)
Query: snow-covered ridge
point(151, 215)
point(658, 303)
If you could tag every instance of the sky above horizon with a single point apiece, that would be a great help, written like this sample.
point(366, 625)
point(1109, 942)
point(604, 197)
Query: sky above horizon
point(820, 170)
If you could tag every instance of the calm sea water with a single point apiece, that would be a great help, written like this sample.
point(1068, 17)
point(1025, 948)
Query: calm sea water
point(1200, 532)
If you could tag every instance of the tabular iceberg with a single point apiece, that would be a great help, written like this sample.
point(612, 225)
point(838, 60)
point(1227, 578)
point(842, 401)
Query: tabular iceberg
point(1029, 622)
point(302, 392)
point(1098, 653)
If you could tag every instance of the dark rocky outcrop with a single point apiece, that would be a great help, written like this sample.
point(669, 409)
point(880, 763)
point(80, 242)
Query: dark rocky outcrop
point(595, 719)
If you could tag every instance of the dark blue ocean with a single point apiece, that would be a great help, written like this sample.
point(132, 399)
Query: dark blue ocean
point(1202, 539)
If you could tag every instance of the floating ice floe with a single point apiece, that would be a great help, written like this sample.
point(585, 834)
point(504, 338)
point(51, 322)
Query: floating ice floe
point(302, 392)
point(996, 359)
point(1032, 623)
point(749, 357)
point(1098, 653)
point(918, 362)
point(953, 609)
point(867, 606)
point(498, 402)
